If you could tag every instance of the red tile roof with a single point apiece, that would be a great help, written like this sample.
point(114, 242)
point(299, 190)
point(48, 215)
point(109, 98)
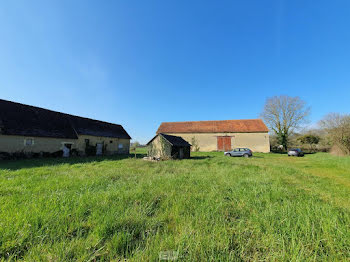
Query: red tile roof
point(223, 126)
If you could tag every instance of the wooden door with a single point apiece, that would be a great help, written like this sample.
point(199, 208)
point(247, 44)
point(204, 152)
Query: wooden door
point(220, 143)
point(181, 153)
point(224, 143)
point(227, 143)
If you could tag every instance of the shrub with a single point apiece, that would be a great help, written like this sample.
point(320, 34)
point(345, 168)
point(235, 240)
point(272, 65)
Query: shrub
point(337, 127)
point(310, 140)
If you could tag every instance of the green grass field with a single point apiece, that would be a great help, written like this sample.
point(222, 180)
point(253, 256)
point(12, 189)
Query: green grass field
point(208, 208)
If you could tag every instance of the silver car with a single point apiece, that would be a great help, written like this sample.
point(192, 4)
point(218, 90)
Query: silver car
point(245, 152)
point(295, 152)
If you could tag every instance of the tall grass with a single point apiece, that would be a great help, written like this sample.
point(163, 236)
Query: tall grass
point(209, 208)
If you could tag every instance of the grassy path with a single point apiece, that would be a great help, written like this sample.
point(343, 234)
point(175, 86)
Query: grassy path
point(209, 208)
point(321, 174)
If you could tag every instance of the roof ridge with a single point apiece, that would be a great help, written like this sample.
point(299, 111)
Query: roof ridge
point(250, 119)
point(58, 112)
point(21, 119)
point(167, 137)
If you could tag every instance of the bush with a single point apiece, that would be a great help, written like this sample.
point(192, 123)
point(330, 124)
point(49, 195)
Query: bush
point(337, 127)
point(310, 140)
point(5, 156)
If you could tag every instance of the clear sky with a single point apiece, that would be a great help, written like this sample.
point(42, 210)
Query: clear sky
point(138, 63)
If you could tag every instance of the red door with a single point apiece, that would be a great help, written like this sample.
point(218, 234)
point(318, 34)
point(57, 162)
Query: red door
point(227, 143)
point(224, 143)
point(220, 143)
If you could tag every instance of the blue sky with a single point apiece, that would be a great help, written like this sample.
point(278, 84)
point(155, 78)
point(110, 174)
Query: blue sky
point(138, 63)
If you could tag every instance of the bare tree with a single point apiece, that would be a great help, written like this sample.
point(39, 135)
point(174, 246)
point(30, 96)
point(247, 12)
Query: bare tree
point(195, 146)
point(337, 127)
point(284, 114)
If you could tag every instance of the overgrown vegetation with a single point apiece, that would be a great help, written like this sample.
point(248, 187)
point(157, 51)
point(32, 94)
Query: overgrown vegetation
point(208, 208)
point(337, 127)
point(309, 139)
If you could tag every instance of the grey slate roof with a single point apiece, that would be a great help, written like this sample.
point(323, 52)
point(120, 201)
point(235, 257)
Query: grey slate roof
point(174, 140)
point(25, 120)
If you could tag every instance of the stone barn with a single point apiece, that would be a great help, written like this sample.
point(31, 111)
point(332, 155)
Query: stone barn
point(221, 135)
point(29, 130)
point(167, 146)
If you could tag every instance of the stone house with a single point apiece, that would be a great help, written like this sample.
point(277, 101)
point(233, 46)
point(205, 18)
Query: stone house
point(31, 130)
point(221, 135)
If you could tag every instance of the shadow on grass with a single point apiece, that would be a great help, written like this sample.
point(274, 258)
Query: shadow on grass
point(200, 157)
point(40, 162)
point(285, 153)
point(279, 152)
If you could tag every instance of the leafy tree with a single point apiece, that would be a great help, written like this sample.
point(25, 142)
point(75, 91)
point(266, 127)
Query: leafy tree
point(309, 139)
point(284, 114)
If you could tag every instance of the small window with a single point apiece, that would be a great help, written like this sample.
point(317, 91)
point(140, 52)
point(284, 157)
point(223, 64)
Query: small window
point(29, 141)
point(120, 146)
point(111, 142)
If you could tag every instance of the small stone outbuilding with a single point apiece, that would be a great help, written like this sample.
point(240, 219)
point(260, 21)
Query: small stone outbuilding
point(166, 146)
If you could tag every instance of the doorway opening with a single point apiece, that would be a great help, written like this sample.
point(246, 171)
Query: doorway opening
point(99, 149)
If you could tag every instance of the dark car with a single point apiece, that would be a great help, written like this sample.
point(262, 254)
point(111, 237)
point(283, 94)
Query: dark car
point(295, 152)
point(246, 152)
